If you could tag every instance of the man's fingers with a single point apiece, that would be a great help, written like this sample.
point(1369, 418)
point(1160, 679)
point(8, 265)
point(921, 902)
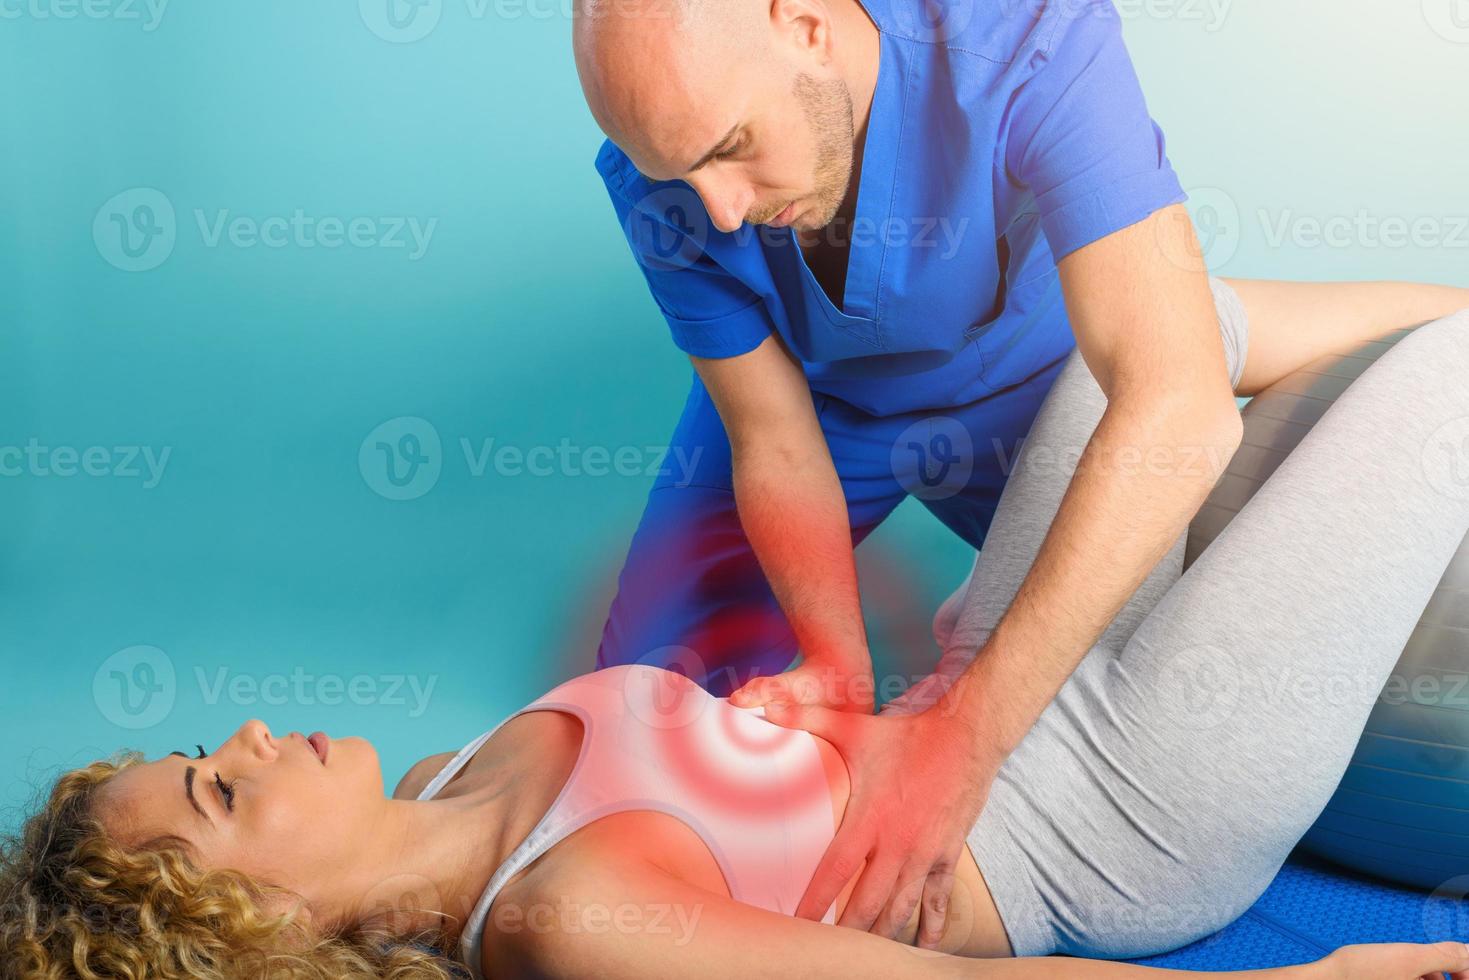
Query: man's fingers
point(758, 691)
point(934, 910)
point(844, 857)
point(870, 896)
point(814, 718)
point(906, 895)
point(803, 687)
point(794, 686)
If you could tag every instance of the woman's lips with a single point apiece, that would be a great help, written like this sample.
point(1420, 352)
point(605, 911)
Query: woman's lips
point(321, 744)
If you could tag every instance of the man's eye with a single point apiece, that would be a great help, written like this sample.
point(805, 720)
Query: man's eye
point(723, 154)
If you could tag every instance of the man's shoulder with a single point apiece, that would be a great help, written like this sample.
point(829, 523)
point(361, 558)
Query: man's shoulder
point(997, 35)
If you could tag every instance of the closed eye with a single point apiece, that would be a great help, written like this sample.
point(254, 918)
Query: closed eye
point(226, 791)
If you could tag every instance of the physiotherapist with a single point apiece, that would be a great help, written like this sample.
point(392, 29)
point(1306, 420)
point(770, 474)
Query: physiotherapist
point(877, 229)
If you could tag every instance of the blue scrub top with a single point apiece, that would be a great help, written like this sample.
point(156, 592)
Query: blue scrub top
point(1001, 137)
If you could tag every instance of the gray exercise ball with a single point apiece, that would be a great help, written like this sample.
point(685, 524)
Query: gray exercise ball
point(1401, 810)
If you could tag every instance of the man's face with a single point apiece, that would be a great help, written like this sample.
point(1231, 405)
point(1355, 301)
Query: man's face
point(752, 127)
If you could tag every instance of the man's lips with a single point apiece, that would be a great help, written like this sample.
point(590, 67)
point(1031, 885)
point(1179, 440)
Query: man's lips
point(320, 744)
point(785, 216)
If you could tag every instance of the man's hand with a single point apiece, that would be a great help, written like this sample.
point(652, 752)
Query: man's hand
point(919, 782)
point(843, 685)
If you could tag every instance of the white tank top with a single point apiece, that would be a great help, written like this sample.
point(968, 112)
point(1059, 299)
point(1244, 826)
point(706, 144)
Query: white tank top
point(755, 792)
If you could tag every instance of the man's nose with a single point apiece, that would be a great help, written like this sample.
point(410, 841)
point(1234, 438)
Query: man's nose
point(726, 201)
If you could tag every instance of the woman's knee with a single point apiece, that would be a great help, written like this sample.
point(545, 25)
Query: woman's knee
point(1439, 347)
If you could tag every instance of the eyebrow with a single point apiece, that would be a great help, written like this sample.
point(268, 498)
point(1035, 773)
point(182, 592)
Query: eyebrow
point(189, 774)
point(710, 155)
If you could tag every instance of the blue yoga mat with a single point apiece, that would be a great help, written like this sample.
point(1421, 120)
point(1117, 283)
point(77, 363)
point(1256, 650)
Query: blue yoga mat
point(1313, 907)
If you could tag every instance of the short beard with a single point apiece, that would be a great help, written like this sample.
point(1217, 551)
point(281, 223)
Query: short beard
point(828, 108)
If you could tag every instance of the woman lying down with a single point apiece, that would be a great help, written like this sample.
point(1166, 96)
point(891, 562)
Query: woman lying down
point(629, 824)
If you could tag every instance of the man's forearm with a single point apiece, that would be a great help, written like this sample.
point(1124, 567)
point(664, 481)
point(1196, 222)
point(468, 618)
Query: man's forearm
point(1140, 480)
point(794, 514)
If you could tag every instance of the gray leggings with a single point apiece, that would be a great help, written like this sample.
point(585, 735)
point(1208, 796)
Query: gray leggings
point(1161, 791)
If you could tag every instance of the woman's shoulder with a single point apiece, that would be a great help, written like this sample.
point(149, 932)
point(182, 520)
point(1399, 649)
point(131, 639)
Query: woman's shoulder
point(534, 735)
point(419, 774)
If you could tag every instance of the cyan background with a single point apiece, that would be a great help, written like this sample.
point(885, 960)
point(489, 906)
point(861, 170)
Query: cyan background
point(265, 549)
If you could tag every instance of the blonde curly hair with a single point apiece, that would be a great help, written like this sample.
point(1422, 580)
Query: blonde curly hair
point(75, 903)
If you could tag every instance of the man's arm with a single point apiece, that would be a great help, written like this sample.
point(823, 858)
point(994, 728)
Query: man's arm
point(794, 513)
point(1145, 323)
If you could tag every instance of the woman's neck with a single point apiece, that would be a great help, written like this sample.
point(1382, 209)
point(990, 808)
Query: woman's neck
point(435, 857)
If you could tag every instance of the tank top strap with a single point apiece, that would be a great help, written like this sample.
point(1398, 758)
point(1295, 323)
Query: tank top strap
point(654, 740)
point(600, 700)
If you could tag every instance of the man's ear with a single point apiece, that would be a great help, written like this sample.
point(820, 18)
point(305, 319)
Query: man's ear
point(806, 24)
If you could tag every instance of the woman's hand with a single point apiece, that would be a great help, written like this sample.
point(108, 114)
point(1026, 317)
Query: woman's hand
point(1395, 961)
point(842, 685)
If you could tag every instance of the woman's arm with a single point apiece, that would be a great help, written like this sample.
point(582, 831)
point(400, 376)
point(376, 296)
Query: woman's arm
point(1293, 323)
point(638, 922)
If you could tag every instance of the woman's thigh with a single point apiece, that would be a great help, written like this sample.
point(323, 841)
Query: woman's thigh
point(1032, 495)
point(1272, 648)
point(1196, 757)
point(1161, 791)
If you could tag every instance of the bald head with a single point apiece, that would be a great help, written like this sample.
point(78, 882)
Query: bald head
point(653, 70)
point(748, 101)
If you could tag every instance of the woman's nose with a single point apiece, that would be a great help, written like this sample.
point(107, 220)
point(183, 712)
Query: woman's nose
point(254, 737)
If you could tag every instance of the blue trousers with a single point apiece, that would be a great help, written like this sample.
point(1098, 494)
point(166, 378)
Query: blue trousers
point(691, 595)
